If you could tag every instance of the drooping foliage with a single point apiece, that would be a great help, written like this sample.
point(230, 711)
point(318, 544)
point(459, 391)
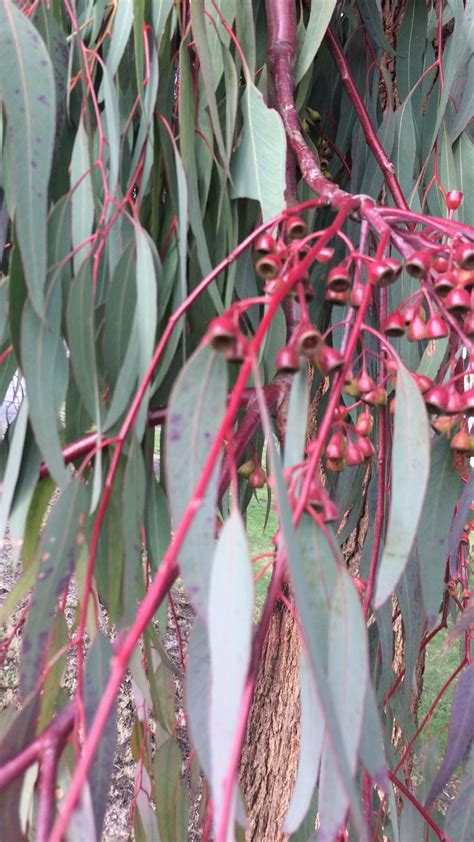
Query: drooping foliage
point(218, 220)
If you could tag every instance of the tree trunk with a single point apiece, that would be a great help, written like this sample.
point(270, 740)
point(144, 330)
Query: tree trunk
point(270, 756)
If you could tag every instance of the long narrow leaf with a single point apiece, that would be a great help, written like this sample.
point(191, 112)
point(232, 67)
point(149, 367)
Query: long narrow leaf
point(411, 465)
point(29, 97)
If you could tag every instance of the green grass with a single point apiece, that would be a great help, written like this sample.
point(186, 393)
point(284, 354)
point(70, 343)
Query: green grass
point(439, 667)
point(260, 541)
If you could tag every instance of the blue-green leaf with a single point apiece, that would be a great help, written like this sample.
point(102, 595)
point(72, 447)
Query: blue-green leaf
point(464, 160)
point(372, 18)
point(196, 409)
point(319, 17)
point(83, 194)
point(410, 471)
point(410, 46)
point(43, 352)
point(122, 28)
point(133, 508)
point(60, 544)
point(348, 672)
point(198, 683)
point(13, 465)
point(161, 10)
point(311, 744)
point(158, 527)
point(96, 676)
point(231, 605)
point(372, 752)
point(29, 97)
point(432, 540)
point(258, 166)
point(147, 297)
point(81, 338)
point(170, 794)
point(405, 150)
point(297, 419)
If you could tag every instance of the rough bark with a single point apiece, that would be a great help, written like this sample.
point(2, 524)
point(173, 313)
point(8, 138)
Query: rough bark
point(270, 756)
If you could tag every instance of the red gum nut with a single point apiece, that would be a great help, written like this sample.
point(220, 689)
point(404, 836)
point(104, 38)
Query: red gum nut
point(328, 360)
point(265, 244)
point(394, 324)
point(376, 397)
point(465, 279)
point(339, 279)
point(440, 264)
point(335, 465)
point(308, 340)
point(338, 298)
point(257, 478)
point(419, 264)
point(445, 283)
point(381, 273)
point(336, 446)
point(353, 454)
point(409, 314)
point(468, 325)
point(268, 266)
point(464, 255)
point(436, 400)
point(458, 302)
point(454, 199)
point(364, 424)
point(461, 441)
point(352, 388)
point(416, 330)
point(423, 382)
point(455, 401)
point(365, 446)
point(436, 328)
point(295, 227)
point(357, 294)
point(222, 334)
point(325, 255)
point(443, 424)
point(287, 360)
point(468, 402)
point(366, 383)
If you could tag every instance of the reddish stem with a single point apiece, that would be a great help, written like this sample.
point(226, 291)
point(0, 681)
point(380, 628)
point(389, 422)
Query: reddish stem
point(372, 140)
point(54, 734)
point(6, 354)
point(424, 643)
point(429, 714)
point(429, 821)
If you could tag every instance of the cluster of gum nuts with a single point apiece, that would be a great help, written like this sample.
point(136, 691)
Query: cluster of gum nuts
point(443, 304)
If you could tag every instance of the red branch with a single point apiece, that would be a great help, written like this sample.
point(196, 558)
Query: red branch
point(372, 140)
point(53, 735)
point(429, 821)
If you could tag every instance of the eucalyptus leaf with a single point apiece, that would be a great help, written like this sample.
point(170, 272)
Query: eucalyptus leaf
point(410, 472)
point(196, 408)
point(29, 97)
